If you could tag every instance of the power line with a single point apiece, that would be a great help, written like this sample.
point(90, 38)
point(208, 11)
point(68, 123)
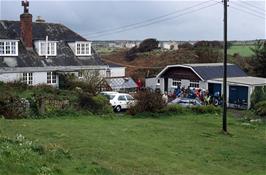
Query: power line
point(256, 7)
point(247, 7)
point(148, 20)
point(247, 11)
point(155, 22)
point(244, 10)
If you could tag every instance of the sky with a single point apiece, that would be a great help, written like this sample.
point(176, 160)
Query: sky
point(137, 20)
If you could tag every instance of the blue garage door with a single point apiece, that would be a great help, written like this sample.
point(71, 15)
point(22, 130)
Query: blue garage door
point(214, 88)
point(238, 94)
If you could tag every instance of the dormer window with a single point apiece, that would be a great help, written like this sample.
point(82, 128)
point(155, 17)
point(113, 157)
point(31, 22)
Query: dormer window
point(83, 48)
point(47, 48)
point(8, 48)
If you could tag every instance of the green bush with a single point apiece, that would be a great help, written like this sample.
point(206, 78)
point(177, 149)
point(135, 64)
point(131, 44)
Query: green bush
point(205, 109)
point(147, 101)
point(95, 104)
point(260, 108)
point(173, 109)
point(13, 107)
point(258, 95)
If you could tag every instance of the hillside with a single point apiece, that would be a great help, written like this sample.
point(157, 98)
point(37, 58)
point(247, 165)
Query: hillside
point(150, 63)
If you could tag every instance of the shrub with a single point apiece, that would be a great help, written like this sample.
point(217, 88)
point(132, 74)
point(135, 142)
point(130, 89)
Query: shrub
point(260, 108)
point(147, 101)
point(258, 95)
point(173, 109)
point(13, 107)
point(19, 85)
point(205, 109)
point(95, 104)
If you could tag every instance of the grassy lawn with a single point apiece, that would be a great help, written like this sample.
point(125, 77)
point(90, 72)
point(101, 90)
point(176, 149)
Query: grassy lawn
point(243, 50)
point(189, 144)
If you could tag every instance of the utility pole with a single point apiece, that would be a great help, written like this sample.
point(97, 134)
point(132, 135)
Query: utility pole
point(225, 70)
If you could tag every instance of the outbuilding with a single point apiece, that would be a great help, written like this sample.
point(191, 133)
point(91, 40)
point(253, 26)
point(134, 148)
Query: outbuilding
point(207, 76)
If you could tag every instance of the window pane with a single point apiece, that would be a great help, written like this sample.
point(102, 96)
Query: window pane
point(53, 77)
point(2, 48)
point(8, 48)
point(49, 77)
point(13, 47)
point(52, 48)
point(43, 49)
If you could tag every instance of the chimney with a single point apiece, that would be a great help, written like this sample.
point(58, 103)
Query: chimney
point(26, 25)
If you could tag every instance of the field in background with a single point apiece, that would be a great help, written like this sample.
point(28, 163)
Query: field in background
point(242, 50)
point(190, 144)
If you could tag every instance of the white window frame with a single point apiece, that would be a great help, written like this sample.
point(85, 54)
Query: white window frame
point(27, 78)
point(13, 51)
point(51, 78)
point(176, 82)
point(48, 47)
point(86, 46)
point(80, 75)
point(194, 84)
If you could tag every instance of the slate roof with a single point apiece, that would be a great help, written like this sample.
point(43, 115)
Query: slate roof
point(56, 32)
point(209, 71)
point(216, 70)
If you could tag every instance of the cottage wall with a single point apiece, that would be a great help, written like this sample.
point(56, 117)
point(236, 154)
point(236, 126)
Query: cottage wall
point(37, 78)
point(118, 71)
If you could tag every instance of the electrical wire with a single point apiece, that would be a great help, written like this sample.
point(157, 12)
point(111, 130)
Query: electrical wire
point(148, 20)
point(247, 7)
point(251, 5)
point(155, 22)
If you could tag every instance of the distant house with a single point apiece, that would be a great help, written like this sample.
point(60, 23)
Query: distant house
point(207, 76)
point(36, 52)
point(169, 45)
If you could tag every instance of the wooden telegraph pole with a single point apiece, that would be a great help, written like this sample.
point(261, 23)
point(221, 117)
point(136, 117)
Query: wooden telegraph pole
point(225, 70)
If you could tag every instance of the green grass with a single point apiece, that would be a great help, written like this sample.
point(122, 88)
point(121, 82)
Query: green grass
point(243, 50)
point(191, 144)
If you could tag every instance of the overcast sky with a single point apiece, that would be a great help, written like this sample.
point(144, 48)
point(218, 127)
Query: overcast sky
point(164, 20)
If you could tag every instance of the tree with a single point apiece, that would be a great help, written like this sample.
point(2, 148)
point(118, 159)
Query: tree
point(258, 61)
point(185, 45)
point(148, 45)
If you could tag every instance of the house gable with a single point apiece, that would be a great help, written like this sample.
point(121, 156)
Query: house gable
point(181, 73)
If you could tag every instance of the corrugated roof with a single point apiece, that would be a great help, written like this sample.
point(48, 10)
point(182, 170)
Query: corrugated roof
point(247, 80)
point(121, 83)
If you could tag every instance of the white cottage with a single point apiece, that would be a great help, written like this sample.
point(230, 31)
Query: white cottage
point(35, 52)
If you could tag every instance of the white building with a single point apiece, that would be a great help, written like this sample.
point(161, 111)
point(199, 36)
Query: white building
point(209, 77)
point(36, 52)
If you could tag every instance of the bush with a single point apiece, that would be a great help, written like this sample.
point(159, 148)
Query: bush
point(148, 45)
point(173, 109)
point(206, 109)
point(258, 95)
point(13, 107)
point(147, 101)
point(95, 104)
point(260, 108)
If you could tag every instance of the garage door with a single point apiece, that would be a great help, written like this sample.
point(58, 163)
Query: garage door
point(238, 94)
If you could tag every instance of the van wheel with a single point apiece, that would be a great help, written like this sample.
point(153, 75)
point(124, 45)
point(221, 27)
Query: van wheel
point(118, 109)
